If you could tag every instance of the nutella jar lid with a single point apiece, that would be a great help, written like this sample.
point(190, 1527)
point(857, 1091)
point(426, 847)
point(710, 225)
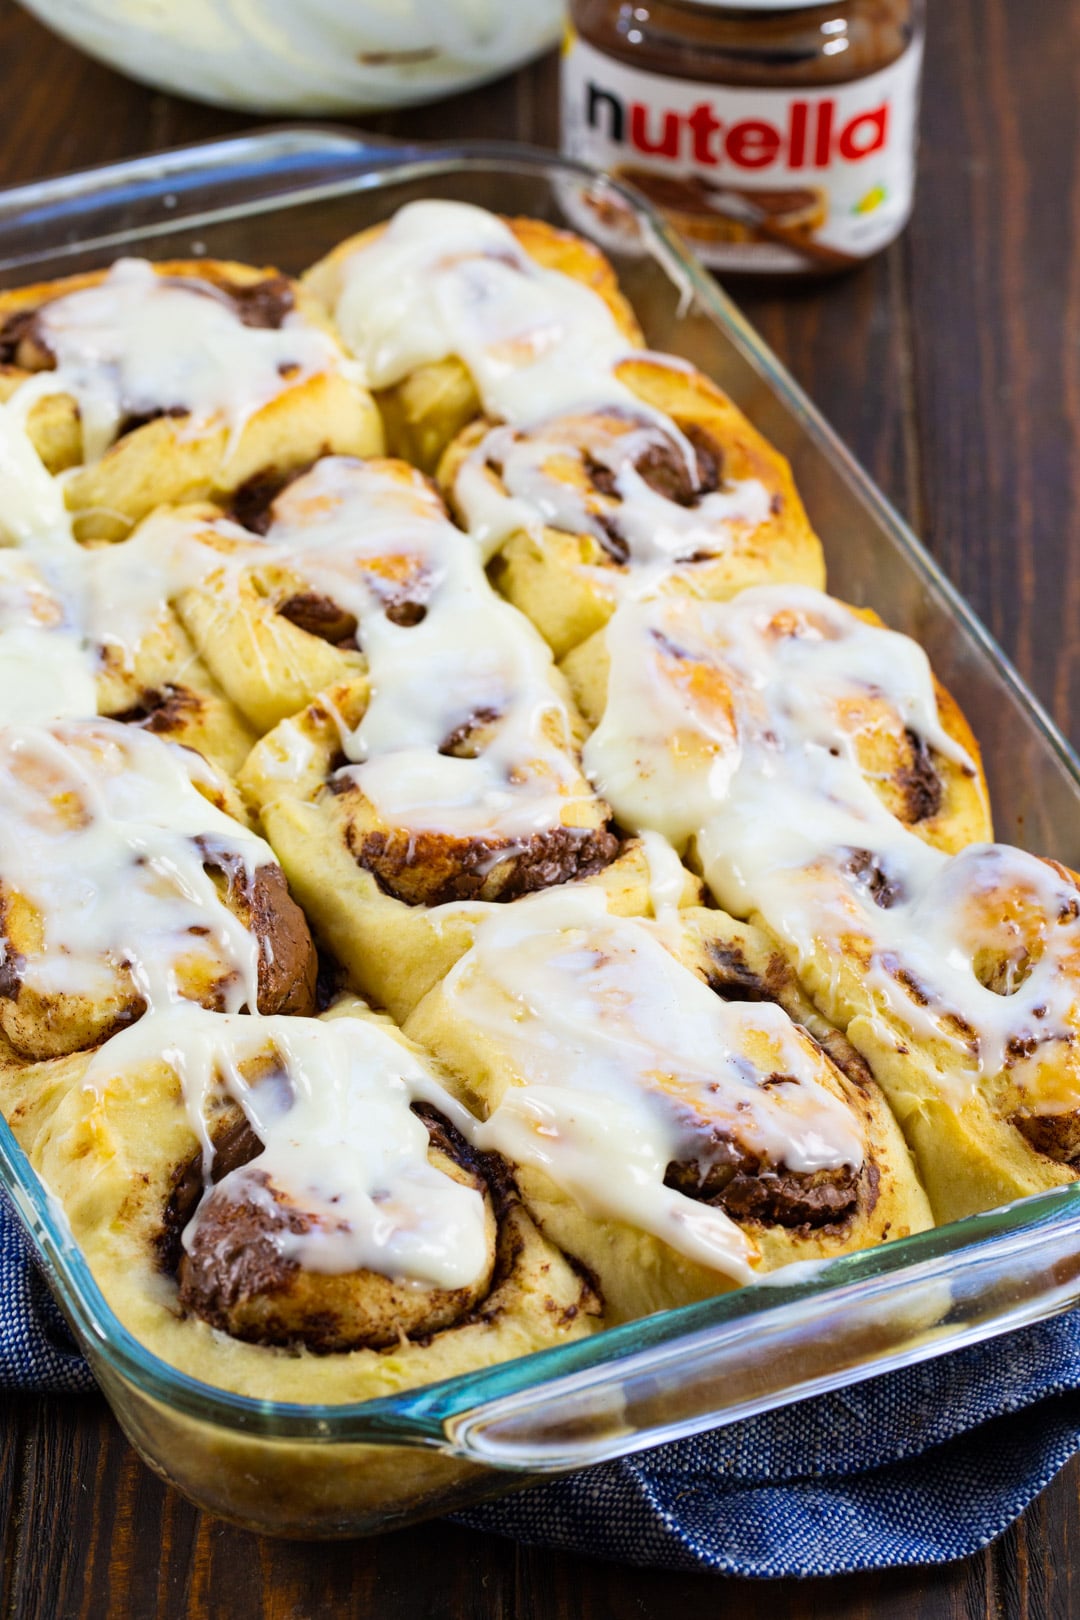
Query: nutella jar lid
point(761, 5)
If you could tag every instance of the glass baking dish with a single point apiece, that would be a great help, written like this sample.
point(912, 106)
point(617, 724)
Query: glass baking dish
point(305, 1470)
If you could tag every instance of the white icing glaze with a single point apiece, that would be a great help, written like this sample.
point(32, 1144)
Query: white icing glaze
point(667, 876)
point(340, 1141)
point(44, 668)
point(104, 831)
point(448, 279)
point(32, 511)
point(625, 1061)
point(139, 342)
point(130, 585)
point(543, 349)
point(44, 674)
point(655, 531)
point(737, 724)
point(472, 654)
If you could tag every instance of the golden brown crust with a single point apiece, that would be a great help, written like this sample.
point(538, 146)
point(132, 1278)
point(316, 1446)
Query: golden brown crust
point(569, 584)
point(157, 458)
point(430, 406)
point(39, 1024)
point(236, 1277)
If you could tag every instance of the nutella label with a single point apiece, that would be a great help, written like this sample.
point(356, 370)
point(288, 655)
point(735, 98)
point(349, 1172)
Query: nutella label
point(766, 180)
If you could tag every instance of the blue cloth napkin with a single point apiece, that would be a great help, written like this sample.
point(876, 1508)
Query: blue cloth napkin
point(914, 1467)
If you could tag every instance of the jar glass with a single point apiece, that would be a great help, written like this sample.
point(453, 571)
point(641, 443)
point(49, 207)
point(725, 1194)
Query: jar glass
point(776, 137)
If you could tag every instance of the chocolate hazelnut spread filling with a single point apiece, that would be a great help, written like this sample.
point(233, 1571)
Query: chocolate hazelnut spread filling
point(251, 503)
point(319, 616)
point(237, 1276)
point(163, 709)
point(723, 1172)
point(728, 1175)
point(919, 781)
point(432, 869)
point(22, 345)
point(288, 962)
point(1057, 1136)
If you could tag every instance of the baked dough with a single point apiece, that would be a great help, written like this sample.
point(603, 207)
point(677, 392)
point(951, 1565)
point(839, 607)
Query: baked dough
point(397, 908)
point(673, 490)
point(127, 1112)
point(430, 401)
point(124, 887)
point(174, 382)
point(677, 1144)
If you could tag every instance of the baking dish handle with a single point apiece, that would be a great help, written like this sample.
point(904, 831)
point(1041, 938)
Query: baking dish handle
point(96, 206)
point(813, 1343)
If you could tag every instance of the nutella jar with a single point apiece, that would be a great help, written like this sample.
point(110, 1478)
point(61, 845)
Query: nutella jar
point(776, 137)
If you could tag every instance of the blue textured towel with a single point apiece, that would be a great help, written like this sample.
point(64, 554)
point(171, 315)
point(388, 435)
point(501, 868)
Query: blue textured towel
point(913, 1467)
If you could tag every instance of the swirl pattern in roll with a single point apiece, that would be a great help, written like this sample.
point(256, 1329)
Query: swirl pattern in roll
point(151, 383)
point(678, 1141)
point(295, 1204)
point(124, 888)
point(586, 467)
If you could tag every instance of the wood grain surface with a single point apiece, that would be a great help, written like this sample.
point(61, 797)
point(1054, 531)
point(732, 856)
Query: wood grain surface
point(951, 365)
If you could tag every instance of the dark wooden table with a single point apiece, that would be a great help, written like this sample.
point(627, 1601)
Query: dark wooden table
point(952, 367)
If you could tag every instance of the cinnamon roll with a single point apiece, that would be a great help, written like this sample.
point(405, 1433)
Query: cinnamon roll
point(124, 887)
point(453, 311)
point(680, 1137)
point(666, 489)
point(147, 384)
point(778, 737)
point(282, 1206)
point(402, 808)
point(580, 462)
point(284, 615)
point(685, 694)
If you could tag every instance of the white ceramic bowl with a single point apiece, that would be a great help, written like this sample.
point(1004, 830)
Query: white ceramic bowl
point(308, 56)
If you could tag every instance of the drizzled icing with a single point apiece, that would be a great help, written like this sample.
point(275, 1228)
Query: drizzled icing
point(138, 342)
point(472, 659)
point(448, 279)
point(738, 724)
point(543, 349)
point(363, 534)
point(104, 832)
point(340, 1141)
point(655, 531)
point(44, 667)
point(625, 1061)
point(783, 670)
point(32, 511)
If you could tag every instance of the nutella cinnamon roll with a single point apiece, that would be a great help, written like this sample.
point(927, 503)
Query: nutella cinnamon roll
point(669, 488)
point(285, 1206)
point(682, 1137)
point(690, 697)
point(404, 807)
point(453, 311)
point(124, 888)
point(829, 790)
point(147, 384)
point(957, 977)
point(283, 617)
